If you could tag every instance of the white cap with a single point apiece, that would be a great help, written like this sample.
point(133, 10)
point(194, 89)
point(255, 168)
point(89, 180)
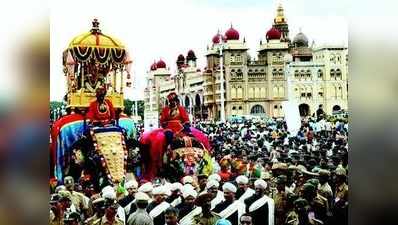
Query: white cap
point(189, 192)
point(167, 190)
point(176, 186)
point(187, 187)
point(168, 185)
point(109, 194)
point(131, 184)
point(160, 190)
point(187, 179)
point(212, 183)
point(242, 179)
point(214, 177)
point(229, 187)
point(147, 187)
point(141, 196)
point(60, 188)
point(260, 184)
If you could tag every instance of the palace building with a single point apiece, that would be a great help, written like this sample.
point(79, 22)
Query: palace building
point(318, 76)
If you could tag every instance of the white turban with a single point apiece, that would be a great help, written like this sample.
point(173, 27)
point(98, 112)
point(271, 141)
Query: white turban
point(141, 196)
point(214, 177)
point(187, 187)
point(212, 183)
point(229, 187)
point(147, 187)
point(189, 192)
point(131, 184)
point(176, 186)
point(242, 179)
point(60, 188)
point(260, 184)
point(167, 190)
point(187, 179)
point(160, 190)
point(108, 193)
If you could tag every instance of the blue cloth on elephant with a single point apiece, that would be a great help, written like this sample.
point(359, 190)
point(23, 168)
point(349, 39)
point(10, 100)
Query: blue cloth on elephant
point(187, 128)
point(169, 136)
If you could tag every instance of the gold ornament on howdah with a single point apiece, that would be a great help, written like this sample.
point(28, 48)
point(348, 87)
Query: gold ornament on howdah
point(92, 60)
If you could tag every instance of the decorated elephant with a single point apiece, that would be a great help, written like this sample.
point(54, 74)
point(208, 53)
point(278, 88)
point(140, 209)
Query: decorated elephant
point(186, 155)
point(96, 153)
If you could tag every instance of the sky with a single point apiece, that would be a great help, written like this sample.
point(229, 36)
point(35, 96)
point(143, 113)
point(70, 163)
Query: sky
point(158, 29)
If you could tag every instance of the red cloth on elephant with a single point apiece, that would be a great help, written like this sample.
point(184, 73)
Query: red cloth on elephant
point(174, 122)
point(153, 161)
point(94, 113)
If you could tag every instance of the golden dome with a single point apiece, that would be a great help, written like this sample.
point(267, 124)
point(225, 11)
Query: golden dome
point(98, 41)
point(95, 38)
point(95, 45)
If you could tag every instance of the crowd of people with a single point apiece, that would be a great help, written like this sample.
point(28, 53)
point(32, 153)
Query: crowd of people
point(262, 174)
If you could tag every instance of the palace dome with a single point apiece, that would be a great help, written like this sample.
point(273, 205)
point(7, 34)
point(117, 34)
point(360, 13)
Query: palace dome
point(232, 34)
point(300, 40)
point(273, 34)
point(160, 64)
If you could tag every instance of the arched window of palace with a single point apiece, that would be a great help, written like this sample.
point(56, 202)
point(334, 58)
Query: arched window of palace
point(338, 74)
point(320, 74)
point(240, 110)
point(257, 109)
point(240, 92)
point(274, 73)
point(238, 58)
point(332, 74)
point(320, 92)
point(281, 72)
point(308, 74)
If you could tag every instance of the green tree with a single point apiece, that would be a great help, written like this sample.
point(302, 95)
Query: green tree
point(129, 105)
point(55, 104)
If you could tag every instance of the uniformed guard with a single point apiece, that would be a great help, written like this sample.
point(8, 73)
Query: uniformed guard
point(260, 206)
point(79, 200)
point(317, 208)
point(340, 208)
point(140, 216)
point(99, 210)
point(217, 195)
point(230, 209)
point(280, 200)
point(244, 191)
point(157, 207)
point(188, 204)
point(175, 198)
